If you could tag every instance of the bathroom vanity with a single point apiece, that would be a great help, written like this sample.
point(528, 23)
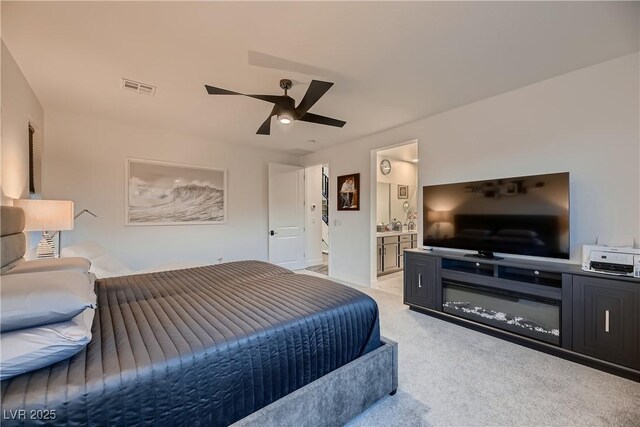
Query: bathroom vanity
point(390, 249)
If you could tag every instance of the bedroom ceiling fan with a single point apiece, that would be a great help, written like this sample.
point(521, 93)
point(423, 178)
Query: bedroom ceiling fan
point(284, 106)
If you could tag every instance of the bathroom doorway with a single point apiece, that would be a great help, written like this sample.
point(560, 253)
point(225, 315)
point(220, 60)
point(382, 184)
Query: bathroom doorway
point(317, 218)
point(396, 213)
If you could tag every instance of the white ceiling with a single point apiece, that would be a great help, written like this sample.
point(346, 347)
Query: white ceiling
point(405, 153)
point(392, 63)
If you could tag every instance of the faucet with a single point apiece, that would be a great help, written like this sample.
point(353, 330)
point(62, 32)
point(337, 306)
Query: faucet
point(397, 225)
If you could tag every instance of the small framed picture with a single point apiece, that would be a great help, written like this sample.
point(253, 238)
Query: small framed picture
point(403, 191)
point(349, 192)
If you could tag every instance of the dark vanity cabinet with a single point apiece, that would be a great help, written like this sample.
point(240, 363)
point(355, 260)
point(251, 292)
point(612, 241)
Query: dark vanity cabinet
point(606, 319)
point(420, 275)
point(558, 308)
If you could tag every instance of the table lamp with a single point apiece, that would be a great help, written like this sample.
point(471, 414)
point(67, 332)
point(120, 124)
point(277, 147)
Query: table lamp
point(46, 216)
point(438, 217)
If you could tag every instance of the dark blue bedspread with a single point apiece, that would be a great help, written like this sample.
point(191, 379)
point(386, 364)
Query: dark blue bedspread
point(202, 346)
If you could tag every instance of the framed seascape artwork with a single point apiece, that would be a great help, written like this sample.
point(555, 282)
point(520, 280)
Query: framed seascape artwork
point(403, 191)
point(349, 192)
point(160, 193)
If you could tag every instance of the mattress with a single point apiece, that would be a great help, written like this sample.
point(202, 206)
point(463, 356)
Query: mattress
point(201, 346)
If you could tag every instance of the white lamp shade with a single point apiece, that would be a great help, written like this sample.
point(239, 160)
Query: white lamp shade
point(46, 215)
point(439, 216)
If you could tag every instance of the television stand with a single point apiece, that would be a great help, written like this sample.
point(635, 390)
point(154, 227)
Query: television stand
point(558, 308)
point(485, 255)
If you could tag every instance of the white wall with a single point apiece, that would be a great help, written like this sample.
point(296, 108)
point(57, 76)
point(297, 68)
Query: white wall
point(585, 122)
point(313, 216)
point(85, 162)
point(405, 173)
point(20, 106)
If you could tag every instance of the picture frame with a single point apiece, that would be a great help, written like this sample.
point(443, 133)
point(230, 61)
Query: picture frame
point(164, 193)
point(349, 192)
point(510, 189)
point(403, 191)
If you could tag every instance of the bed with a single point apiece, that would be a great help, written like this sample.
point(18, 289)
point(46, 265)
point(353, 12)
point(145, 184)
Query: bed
point(245, 342)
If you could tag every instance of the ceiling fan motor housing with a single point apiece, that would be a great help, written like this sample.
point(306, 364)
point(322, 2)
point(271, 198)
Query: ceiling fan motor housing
point(285, 84)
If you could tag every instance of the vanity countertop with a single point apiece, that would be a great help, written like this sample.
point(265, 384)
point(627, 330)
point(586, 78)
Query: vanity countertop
point(395, 233)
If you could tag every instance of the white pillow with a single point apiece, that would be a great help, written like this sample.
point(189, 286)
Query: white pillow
point(109, 266)
point(34, 299)
point(53, 264)
point(89, 250)
point(34, 348)
point(103, 264)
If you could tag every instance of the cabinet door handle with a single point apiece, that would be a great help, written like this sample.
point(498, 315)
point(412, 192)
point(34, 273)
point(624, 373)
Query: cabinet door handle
point(606, 320)
point(419, 280)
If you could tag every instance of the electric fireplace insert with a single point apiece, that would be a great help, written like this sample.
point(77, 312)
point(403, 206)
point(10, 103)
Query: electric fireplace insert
point(528, 315)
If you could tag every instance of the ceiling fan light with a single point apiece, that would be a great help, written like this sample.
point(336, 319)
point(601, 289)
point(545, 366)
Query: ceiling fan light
point(285, 119)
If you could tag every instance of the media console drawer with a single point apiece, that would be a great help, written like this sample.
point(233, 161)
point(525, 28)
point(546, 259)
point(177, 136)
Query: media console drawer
point(472, 267)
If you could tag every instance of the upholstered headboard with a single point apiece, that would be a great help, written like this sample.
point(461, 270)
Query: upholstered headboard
point(12, 240)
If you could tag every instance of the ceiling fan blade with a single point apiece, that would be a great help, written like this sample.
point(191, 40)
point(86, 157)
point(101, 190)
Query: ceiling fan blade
point(322, 120)
point(211, 90)
point(265, 127)
point(274, 99)
point(316, 89)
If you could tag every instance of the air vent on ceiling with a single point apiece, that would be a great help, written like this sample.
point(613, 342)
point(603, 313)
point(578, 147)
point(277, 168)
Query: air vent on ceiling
point(141, 88)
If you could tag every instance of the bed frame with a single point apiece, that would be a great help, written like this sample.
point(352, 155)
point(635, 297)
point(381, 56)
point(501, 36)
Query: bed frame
point(338, 396)
point(331, 400)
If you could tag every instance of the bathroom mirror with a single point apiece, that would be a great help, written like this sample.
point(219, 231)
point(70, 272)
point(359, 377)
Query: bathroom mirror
point(396, 201)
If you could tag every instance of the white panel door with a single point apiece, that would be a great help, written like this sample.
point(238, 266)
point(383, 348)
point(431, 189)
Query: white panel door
point(286, 216)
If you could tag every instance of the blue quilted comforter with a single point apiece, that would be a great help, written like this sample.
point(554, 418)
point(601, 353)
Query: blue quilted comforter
point(202, 346)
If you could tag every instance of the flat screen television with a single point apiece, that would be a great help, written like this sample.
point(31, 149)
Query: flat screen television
point(524, 215)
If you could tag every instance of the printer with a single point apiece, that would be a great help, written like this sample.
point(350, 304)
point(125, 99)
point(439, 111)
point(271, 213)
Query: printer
point(620, 261)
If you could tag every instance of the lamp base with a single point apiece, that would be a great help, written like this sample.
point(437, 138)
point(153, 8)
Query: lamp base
point(437, 236)
point(46, 247)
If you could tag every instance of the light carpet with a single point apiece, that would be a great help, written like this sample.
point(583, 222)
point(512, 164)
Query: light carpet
point(453, 376)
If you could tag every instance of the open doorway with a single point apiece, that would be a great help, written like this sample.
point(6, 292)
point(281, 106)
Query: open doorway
point(317, 219)
point(396, 213)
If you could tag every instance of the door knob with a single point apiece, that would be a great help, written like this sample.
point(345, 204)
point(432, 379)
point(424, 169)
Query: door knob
point(273, 233)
